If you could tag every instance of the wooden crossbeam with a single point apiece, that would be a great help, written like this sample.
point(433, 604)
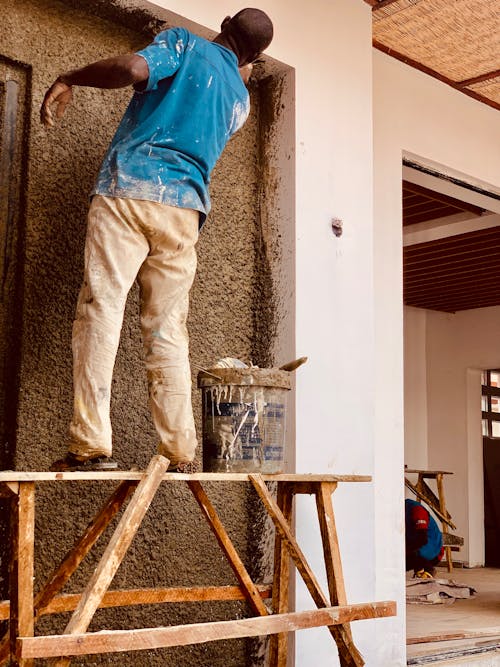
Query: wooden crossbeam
point(209, 512)
point(112, 641)
point(116, 550)
point(140, 596)
point(348, 653)
point(27, 476)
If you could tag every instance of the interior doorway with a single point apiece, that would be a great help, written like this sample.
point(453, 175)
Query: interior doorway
point(451, 249)
point(490, 408)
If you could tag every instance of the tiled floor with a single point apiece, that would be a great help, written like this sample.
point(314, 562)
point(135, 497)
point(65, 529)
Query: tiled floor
point(478, 614)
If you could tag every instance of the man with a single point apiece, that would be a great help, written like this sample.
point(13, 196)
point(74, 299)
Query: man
point(148, 204)
point(424, 542)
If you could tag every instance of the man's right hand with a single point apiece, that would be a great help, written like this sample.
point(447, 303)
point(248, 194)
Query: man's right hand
point(60, 94)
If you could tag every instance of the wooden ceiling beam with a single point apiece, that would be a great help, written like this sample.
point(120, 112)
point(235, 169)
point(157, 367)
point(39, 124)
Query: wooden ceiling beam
point(453, 307)
point(455, 303)
point(382, 3)
point(451, 292)
point(479, 79)
point(442, 274)
point(429, 205)
point(438, 196)
point(416, 218)
point(453, 258)
point(465, 275)
point(475, 238)
point(443, 281)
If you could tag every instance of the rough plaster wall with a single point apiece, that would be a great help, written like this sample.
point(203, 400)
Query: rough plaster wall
point(174, 547)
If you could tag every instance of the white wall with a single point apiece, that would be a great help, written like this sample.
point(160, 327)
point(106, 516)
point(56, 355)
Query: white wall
point(329, 45)
point(457, 347)
point(415, 388)
point(349, 399)
point(417, 115)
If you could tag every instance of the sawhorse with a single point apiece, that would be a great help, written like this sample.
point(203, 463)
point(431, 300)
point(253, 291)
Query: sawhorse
point(23, 609)
point(437, 503)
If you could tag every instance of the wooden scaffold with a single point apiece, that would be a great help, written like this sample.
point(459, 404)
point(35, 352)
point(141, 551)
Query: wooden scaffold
point(20, 646)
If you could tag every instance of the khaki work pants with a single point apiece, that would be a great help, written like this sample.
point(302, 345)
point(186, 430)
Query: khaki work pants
point(129, 238)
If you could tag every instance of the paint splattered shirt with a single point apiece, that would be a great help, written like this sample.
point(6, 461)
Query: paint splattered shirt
point(173, 131)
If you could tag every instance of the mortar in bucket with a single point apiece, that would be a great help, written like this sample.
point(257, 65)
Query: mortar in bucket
point(244, 412)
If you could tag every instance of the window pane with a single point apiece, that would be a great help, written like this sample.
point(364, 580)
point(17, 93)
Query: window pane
point(495, 379)
point(484, 423)
point(495, 429)
point(484, 377)
point(484, 403)
point(495, 404)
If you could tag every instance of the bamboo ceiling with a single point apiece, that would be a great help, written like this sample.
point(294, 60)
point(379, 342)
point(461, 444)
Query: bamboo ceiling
point(456, 41)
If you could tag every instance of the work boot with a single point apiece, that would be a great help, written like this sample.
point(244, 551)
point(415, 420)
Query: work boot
point(187, 468)
point(73, 463)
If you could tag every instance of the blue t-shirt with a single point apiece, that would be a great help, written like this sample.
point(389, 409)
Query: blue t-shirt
point(174, 131)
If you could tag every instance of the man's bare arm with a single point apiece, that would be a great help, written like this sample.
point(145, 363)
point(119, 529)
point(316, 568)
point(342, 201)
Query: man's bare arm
point(118, 72)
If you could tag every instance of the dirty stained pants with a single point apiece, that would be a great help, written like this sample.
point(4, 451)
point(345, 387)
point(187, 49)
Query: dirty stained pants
point(129, 238)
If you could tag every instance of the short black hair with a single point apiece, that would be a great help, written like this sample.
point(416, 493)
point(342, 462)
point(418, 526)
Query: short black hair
point(254, 28)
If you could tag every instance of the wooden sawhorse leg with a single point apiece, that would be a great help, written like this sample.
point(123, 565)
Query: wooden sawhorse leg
point(278, 644)
point(444, 511)
point(22, 621)
point(348, 653)
point(75, 556)
point(438, 504)
point(248, 588)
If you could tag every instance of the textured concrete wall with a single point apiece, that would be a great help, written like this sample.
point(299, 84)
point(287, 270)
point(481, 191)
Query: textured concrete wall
point(228, 300)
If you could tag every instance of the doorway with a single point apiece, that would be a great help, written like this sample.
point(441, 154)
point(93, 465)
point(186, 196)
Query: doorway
point(490, 408)
point(452, 324)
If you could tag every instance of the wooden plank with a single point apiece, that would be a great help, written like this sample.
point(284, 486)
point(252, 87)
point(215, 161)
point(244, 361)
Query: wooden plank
point(455, 635)
point(451, 540)
point(112, 641)
point(428, 473)
point(26, 476)
point(208, 510)
point(436, 511)
point(22, 621)
point(428, 493)
point(116, 549)
point(278, 644)
point(349, 653)
point(73, 558)
point(139, 596)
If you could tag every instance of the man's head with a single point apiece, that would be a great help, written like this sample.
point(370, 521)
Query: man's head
point(247, 33)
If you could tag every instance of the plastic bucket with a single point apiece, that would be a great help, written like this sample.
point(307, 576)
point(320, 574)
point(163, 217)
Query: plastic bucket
point(244, 413)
